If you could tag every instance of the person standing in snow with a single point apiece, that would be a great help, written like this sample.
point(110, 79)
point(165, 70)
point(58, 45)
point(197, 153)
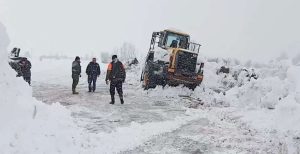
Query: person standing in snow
point(93, 71)
point(116, 76)
point(76, 74)
point(25, 67)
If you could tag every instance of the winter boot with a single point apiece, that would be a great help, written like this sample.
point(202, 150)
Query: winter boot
point(112, 100)
point(74, 91)
point(121, 99)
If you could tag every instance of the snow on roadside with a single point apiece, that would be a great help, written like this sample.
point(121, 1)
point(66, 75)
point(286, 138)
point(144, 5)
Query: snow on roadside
point(284, 94)
point(269, 104)
point(29, 126)
point(276, 98)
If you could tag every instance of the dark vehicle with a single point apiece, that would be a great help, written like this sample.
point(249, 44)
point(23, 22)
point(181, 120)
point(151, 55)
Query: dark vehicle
point(172, 60)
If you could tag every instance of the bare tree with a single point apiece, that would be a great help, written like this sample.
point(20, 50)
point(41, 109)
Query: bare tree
point(127, 51)
point(105, 57)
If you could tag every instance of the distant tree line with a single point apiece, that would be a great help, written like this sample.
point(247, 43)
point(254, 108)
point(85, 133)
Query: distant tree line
point(126, 52)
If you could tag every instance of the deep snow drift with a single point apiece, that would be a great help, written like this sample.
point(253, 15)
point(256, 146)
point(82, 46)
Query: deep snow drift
point(29, 126)
point(271, 102)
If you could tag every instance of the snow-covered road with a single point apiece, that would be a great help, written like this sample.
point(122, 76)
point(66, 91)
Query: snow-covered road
point(153, 121)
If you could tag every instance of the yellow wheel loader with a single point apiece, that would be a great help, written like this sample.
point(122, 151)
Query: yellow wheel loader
point(172, 60)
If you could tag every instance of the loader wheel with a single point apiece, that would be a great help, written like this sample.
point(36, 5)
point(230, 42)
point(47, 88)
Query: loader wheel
point(149, 82)
point(193, 86)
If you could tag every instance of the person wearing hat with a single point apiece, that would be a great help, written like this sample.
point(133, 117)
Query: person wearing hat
point(76, 73)
point(116, 76)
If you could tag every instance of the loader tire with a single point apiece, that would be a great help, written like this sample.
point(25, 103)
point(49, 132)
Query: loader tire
point(193, 86)
point(149, 82)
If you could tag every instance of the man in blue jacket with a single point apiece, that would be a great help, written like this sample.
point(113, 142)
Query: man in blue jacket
point(93, 71)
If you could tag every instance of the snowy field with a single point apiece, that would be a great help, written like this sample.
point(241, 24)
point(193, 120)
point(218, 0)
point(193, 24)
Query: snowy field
point(228, 113)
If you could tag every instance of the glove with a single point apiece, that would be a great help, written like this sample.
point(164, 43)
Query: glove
point(107, 82)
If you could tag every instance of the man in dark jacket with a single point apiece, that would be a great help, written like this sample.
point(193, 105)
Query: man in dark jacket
point(93, 71)
point(25, 67)
point(76, 74)
point(116, 75)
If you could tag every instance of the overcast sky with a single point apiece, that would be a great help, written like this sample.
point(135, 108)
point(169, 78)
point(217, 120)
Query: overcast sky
point(246, 29)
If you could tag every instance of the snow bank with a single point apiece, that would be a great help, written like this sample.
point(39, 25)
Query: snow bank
point(28, 126)
point(270, 102)
point(283, 95)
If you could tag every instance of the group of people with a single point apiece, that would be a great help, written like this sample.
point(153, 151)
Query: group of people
point(115, 76)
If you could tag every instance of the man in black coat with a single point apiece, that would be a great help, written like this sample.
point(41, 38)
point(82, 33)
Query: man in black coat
point(76, 73)
point(25, 67)
point(93, 71)
point(116, 75)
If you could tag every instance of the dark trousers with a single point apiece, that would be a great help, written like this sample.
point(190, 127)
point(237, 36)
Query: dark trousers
point(116, 84)
point(92, 79)
point(75, 82)
point(27, 79)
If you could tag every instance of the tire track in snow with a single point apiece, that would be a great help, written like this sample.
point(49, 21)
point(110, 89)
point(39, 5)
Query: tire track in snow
point(126, 138)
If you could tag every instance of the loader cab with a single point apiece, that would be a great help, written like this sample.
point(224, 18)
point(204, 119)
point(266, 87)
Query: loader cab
point(173, 39)
point(173, 42)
